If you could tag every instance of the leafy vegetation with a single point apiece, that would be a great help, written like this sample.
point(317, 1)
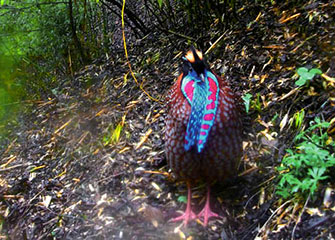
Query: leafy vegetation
point(246, 100)
point(113, 136)
point(298, 118)
point(43, 38)
point(40, 41)
point(306, 75)
point(309, 163)
point(257, 103)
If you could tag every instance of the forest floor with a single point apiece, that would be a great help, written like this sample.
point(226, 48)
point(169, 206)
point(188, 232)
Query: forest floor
point(89, 163)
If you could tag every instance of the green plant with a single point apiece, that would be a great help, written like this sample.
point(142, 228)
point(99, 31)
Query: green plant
point(257, 104)
point(113, 135)
point(299, 118)
point(309, 163)
point(274, 118)
point(117, 132)
point(182, 199)
point(160, 3)
point(246, 100)
point(305, 75)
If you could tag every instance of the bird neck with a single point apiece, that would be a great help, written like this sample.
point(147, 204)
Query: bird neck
point(203, 97)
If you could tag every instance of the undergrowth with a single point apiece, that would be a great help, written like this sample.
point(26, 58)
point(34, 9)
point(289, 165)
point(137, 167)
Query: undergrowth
point(307, 164)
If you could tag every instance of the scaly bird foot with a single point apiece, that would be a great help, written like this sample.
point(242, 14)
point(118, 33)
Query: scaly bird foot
point(187, 216)
point(206, 212)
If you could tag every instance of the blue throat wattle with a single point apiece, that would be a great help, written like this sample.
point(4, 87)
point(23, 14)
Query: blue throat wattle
point(203, 98)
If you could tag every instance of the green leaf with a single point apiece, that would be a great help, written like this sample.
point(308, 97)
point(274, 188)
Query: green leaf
point(299, 118)
point(246, 98)
point(315, 71)
point(302, 71)
point(160, 3)
point(281, 168)
point(307, 75)
point(155, 57)
point(106, 140)
point(274, 118)
point(116, 133)
point(182, 199)
point(301, 81)
point(2, 2)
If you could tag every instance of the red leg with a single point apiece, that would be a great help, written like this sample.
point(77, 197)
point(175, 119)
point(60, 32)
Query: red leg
point(206, 212)
point(188, 214)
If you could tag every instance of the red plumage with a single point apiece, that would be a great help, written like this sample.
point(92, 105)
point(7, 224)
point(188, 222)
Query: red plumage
point(221, 154)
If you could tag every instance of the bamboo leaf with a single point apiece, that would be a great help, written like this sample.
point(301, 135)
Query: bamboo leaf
point(160, 3)
point(117, 132)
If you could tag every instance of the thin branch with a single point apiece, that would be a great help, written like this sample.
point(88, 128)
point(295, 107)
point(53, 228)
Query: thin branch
point(13, 167)
point(131, 15)
point(299, 218)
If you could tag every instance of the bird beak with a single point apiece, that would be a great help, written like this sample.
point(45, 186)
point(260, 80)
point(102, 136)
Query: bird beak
point(202, 77)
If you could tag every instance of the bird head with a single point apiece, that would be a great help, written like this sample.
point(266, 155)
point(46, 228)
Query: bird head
point(194, 65)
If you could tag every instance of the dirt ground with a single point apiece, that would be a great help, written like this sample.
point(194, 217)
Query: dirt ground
point(88, 162)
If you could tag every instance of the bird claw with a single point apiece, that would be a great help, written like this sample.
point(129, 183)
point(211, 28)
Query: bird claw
point(187, 216)
point(207, 213)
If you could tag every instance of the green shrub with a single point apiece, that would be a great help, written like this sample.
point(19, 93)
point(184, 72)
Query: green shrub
point(309, 163)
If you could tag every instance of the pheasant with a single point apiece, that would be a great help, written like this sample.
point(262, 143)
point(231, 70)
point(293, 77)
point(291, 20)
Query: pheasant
point(203, 130)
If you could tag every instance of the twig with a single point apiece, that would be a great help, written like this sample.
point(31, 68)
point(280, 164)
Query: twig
point(252, 71)
point(299, 218)
point(181, 35)
point(284, 20)
point(303, 42)
point(143, 139)
point(9, 147)
point(213, 45)
point(248, 171)
point(126, 53)
point(267, 221)
point(63, 126)
point(246, 204)
point(13, 167)
point(11, 159)
point(12, 196)
point(110, 177)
